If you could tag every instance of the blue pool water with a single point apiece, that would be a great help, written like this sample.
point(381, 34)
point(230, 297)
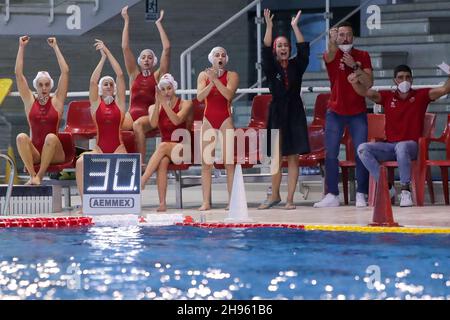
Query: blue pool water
point(185, 262)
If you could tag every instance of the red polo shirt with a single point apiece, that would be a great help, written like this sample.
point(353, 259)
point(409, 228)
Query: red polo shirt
point(404, 118)
point(344, 100)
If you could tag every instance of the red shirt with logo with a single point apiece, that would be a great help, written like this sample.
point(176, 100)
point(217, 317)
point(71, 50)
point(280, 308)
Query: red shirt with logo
point(405, 117)
point(344, 100)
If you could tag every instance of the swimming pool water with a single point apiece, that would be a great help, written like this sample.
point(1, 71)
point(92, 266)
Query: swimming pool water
point(192, 263)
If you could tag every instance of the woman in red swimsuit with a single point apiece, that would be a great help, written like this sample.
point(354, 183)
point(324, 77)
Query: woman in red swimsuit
point(169, 113)
point(143, 80)
point(43, 114)
point(217, 87)
point(107, 108)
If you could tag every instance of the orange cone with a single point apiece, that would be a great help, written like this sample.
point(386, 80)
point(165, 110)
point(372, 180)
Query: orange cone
point(382, 211)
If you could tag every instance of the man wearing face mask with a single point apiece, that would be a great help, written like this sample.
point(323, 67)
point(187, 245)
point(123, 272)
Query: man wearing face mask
point(345, 108)
point(404, 109)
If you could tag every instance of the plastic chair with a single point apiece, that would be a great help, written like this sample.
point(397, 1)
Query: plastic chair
point(426, 163)
point(260, 111)
point(320, 109)
point(69, 152)
point(316, 136)
point(79, 120)
point(417, 184)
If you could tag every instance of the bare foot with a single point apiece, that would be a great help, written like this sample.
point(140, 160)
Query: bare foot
point(205, 207)
point(289, 206)
point(161, 208)
point(34, 181)
point(28, 183)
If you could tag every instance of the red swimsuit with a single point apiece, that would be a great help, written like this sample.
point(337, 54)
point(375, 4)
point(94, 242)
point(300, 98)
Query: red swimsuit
point(142, 95)
point(109, 120)
point(217, 106)
point(43, 120)
point(166, 126)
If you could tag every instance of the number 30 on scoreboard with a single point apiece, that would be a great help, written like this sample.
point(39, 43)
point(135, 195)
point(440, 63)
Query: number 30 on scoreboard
point(112, 183)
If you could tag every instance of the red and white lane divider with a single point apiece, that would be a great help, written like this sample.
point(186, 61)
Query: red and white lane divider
point(45, 222)
point(129, 220)
point(189, 221)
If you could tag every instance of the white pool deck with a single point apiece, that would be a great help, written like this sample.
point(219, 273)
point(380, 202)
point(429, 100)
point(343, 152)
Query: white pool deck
point(429, 216)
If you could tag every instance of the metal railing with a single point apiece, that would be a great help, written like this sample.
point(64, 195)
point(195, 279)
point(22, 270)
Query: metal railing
point(10, 182)
point(7, 14)
point(80, 94)
point(185, 57)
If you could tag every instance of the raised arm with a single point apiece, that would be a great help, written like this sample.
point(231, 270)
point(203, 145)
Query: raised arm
point(303, 51)
point(438, 92)
point(330, 54)
point(294, 23)
point(25, 93)
point(153, 110)
point(268, 62)
point(165, 55)
point(93, 84)
point(269, 26)
point(120, 79)
point(362, 89)
point(203, 90)
point(130, 60)
point(63, 83)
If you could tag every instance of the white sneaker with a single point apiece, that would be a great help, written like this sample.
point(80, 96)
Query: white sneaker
point(405, 199)
point(330, 200)
point(361, 200)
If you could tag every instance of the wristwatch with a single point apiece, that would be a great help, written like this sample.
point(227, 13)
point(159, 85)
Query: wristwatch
point(355, 67)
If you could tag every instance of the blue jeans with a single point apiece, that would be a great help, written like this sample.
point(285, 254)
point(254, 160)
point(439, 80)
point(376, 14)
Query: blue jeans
point(403, 152)
point(334, 128)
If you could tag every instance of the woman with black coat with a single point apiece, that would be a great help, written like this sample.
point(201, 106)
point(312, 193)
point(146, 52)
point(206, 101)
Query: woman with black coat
point(286, 113)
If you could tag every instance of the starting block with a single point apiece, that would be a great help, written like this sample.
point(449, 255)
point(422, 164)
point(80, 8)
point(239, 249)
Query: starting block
point(32, 200)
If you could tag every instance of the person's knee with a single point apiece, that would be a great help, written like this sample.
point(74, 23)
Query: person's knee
point(138, 127)
point(401, 149)
point(164, 147)
point(79, 162)
point(332, 148)
point(51, 139)
point(22, 138)
point(363, 148)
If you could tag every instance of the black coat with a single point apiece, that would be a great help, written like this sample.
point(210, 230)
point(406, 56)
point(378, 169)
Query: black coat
point(286, 111)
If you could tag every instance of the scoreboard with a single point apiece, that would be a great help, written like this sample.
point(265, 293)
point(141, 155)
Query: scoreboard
point(112, 183)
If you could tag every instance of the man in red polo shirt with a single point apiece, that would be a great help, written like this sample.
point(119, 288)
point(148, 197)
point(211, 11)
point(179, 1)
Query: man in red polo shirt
point(404, 109)
point(345, 108)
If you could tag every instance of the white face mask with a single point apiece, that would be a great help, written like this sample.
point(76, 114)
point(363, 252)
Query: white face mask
point(404, 86)
point(108, 99)
point(346, 47)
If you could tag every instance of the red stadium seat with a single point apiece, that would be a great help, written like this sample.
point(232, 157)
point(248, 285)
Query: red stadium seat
point(79, 120)
point(320, 109)
point(416, 183)
point(427, 163)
